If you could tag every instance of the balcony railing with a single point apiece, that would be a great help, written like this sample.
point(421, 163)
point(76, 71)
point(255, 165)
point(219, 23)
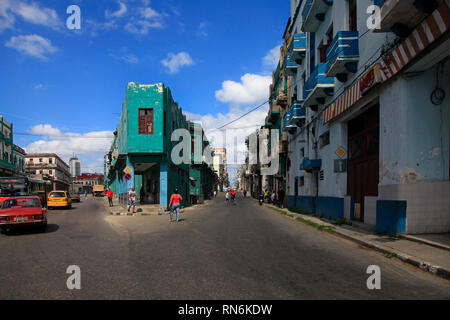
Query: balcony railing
point(287, 125)
point(291, 66)
point(298, 113)
point(298, 48)
point(314, 14)
point(311, 165)
point(343, 54)
point(402, 16)
point(318, 87)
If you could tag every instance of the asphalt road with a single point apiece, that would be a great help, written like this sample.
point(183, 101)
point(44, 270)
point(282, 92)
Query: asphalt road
point(215, 252)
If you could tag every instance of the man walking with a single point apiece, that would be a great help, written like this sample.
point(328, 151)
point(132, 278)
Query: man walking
point(132, 200)
point(110, 197)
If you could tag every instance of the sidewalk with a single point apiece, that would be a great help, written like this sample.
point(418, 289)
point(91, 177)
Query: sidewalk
point(143, 209)
point(431, 257)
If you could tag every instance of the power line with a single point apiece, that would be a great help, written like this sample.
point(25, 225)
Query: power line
point(294, 84)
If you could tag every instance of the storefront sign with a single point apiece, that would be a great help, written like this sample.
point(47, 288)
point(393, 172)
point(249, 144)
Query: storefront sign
point(369, 80)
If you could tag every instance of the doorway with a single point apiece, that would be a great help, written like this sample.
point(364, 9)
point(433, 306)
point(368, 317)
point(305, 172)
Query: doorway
point(363, 158)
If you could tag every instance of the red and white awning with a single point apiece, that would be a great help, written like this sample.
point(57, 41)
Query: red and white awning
point(433, 27)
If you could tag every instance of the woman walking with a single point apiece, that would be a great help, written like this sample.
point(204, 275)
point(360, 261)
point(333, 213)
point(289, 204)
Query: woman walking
point(175, 205)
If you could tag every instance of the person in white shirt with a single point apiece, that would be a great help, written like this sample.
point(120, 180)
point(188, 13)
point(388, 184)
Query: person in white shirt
point(132, 200)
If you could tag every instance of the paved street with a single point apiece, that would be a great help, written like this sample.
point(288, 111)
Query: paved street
point(215, 252)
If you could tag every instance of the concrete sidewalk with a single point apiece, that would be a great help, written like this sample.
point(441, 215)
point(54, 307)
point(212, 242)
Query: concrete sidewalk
point(428, 257)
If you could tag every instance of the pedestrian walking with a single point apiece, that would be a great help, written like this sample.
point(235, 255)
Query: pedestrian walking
point(215, 193)
point(110, 197)
point(227, 197)
point(132, 200)
point(175, 205)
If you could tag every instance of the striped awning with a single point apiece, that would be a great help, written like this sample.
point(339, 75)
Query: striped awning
point(434, 26)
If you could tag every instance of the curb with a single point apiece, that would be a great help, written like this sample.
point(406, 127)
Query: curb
point(424, 241)
point(414, 261)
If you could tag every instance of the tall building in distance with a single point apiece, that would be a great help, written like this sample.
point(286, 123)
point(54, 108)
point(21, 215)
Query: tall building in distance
point(220, 166)
point(48, 166)
point(75, 167)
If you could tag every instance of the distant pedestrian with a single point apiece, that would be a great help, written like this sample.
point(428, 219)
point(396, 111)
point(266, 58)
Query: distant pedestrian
point(110, 197)
point(132, 200)
point(227, 197)
point(215, 193)
point(245, 193)
point(175, 205)
point(274, 196)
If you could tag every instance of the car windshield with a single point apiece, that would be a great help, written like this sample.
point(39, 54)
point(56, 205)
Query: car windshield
point(21, 203)
point(57, 195)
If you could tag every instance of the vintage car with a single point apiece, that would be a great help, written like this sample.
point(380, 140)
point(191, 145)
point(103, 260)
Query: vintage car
point(21, 212)
point(75, 197)
point(59, 199)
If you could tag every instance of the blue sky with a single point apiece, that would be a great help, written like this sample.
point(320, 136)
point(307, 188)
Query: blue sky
point(66, 87)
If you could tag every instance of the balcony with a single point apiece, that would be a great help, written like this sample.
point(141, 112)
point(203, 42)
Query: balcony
point(291, 67)
point(402, 16)
point(298, 113)
point(298, 48)
point(287, 125)
point(281, 98)
point(274, 113)
point(318, 87)
point(314, 14)
point(311, 165)
point(343, 55)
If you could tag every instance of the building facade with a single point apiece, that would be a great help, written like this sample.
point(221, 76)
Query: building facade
point(49, 166)
point(220, 167)
point(368, 115)
point(142, 154)
point(19, 161)
point(75, 167)
point(201, 172)
point(7, 167)
point(85, 182)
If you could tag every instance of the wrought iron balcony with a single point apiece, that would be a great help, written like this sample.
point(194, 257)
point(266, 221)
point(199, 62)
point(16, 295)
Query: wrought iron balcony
point(402, 16)
point(318, 87)
point(314, 14)
point(298, 113)
point(343, 55)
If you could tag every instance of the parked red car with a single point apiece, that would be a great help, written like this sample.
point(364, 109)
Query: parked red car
point(18, 212)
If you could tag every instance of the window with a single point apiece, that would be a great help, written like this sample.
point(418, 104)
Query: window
point(164, 125)
point(50, 171)
point(302, 181)
point(324, 139)
point(50, 160)
point(40, 160)
point(302, 152)
point(324, 46)
point(352, 16)
point(145, 121)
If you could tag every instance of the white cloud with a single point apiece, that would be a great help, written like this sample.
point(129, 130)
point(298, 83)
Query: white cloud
point(46, 130)
point(92, 145)
point(202, 29)
point(32, 13)
point(127, 57)
point(32, 45)
point(272, 58)
point(253, 88)
point(142, 27)
point(6, 17)
point(119, 13)
point(174, 62)
point(148, 13)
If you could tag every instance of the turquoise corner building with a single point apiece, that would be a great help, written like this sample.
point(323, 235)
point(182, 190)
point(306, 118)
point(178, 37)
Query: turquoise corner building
point(142, 146)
